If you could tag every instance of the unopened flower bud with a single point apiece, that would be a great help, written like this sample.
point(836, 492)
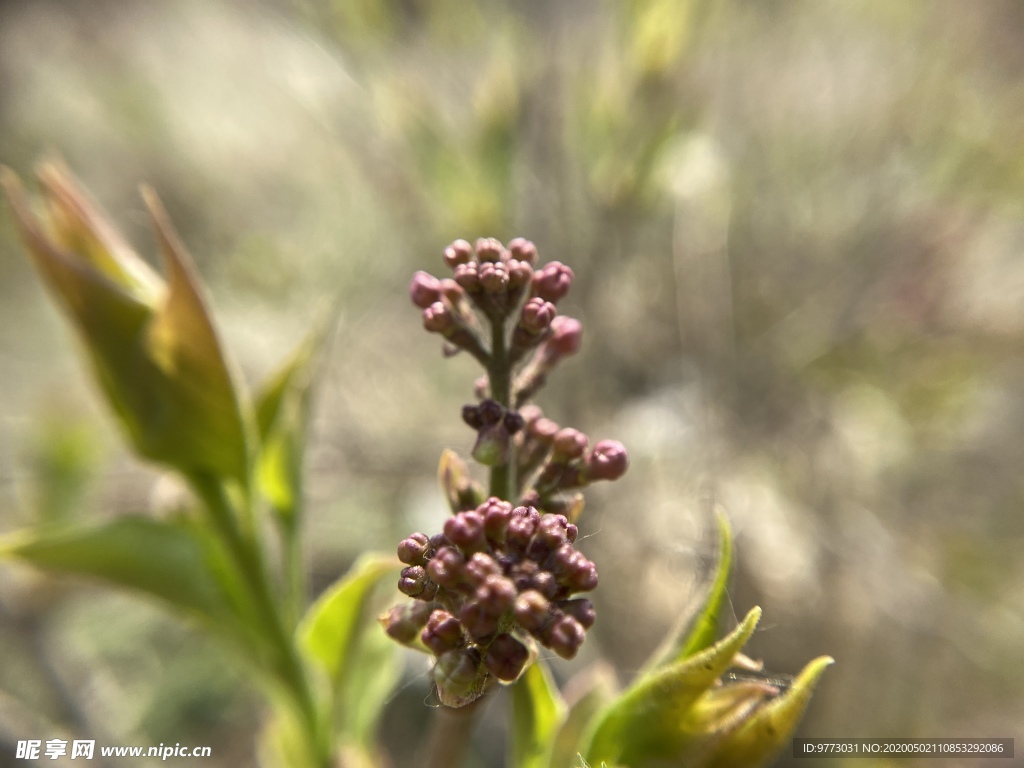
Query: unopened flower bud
point(437, 318)
point(424, 289)
point(459, 252)
point(479, 567)
point(496, 594)
point(468, 277)
point(489, 250)
point(442, 632)
point(404, 622)
point(478, 620)
point(506, 657)
point(446, 568)
point(466, 531)
point(496, 518)
point(531, 610)
point(608, 461)
point(471, 415)
point(564, 637)
point(536, 316)
point(580, 609)
point(513, 422)
point(520, 274)
point(412, 580)
point(491, 412)
point(523, 249)
point(552, 281)
point(452, 291)
point(569, 444)
point(565, 339)
point(493, 277)
point(413, 549)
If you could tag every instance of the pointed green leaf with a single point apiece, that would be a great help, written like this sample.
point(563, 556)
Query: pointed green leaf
point(537, 712)
point(762, 735)
point(644, 722)
point(699, 627)
point(589, 693)
point(341, 637)
point(173, 561)
point(282, 418)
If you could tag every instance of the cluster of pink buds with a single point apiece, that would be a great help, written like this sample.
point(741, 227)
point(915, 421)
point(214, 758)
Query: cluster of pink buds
point(504, 574)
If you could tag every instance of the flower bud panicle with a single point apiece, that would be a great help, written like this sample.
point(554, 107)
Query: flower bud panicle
point(459, 252)
point(424, 289)
point(506, 657)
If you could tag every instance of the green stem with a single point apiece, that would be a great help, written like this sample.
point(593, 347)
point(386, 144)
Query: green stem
point(250, 560)
point(499, 373)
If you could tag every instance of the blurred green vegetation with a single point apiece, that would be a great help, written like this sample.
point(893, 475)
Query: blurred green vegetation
point(797, 229)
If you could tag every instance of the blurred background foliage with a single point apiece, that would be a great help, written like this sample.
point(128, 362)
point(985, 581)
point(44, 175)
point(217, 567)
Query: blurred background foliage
point(797, 229)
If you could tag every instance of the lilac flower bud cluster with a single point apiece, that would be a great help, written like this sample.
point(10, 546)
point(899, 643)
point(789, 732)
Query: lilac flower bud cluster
point(494, 578)
point(500, 282)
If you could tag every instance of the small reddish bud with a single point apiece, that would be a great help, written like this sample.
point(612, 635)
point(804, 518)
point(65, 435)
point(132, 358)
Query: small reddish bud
point(569, 444)
point(531, 610)
point(552, 281)
point(437, 318)
point(443, 632)
point(459, 252)
point(424, 289)
point(413, 549)
point(523, 249)
point(506, 657)
point(537, 315)
point(404, 622)
point(489, 250)
point(412, 580)
point(466, 531)
point(608, 461)
point(565, 637)
point(580, 609)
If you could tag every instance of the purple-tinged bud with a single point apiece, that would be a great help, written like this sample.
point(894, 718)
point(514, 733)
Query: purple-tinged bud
point(479, 567)
point(571, 532)
point(520, 274)
point(446, 568)
point(443, 633)
point(537, 315)
point(496, 519)
point(532, 610)
point(466, 531)
point(569, 444)
point(438, 540)
point(491, 412)
point(412, 580)
point(553, 531)
point(608, 461)
point(471, 415)
point(565, 339)
point(513, 422)
point(519, 533)
point(506, 657)
point(424, 289)
point(456, 677)
point(489, 250)
point(523, 249)
point(583, 580)
point(546, 583)
point(543, 430)
point(496, 595)
point(565, 637)
point(404, 622)
point(468, 277)
point(437, 318)
point(580, 609)
point(567, 560)
point(493, 277)
point(552, 281)
point(452, 291)
point(459, 252)
point(531, 414)
point(478, 620)
point(413, 549)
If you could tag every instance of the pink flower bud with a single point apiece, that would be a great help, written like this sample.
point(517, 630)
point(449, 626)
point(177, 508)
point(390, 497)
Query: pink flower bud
point(553, 281)
point(537, 315)
point(489, 249)
point(523, 250)
point(437, 318)
point(424, 289)
point(566, 337)
point(608, 461)
point(569, 444)
point(459, 252)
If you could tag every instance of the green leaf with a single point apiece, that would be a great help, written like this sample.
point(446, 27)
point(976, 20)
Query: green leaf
point(589, 693)
point(340, 636)
point(282, 417)
point(762, 735)
point(537, 712)
point(645, 722)
point(174, 561)
point(698, 628)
